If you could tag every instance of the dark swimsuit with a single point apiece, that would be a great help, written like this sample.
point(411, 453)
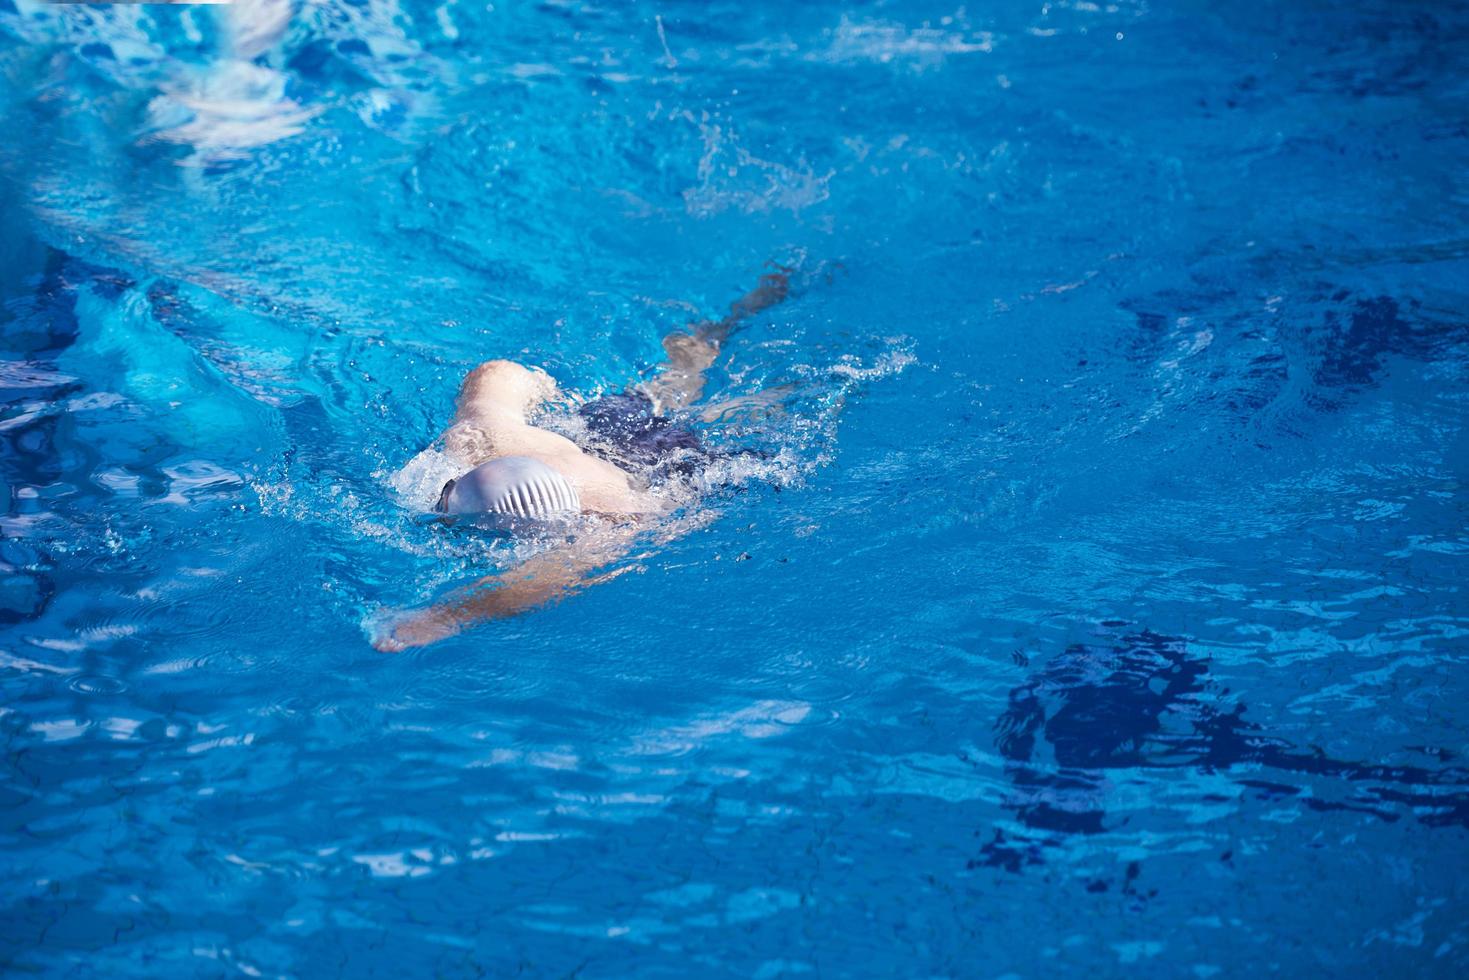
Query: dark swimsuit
point(626, 422)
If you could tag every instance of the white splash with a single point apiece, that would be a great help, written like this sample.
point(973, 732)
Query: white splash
point(237, 103)
point(886, 42)
point(420, 481)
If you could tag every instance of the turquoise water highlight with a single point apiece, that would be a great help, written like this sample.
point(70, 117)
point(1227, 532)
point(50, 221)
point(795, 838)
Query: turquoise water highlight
point(1099, 606)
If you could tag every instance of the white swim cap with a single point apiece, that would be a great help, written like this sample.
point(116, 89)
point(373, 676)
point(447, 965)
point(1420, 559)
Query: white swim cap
point(512, 487)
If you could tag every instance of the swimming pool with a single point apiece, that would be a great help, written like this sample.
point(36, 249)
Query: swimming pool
point(1097, 602)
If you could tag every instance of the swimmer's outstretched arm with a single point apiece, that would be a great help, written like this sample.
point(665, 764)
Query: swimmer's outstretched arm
point(679, 382)
point(547, 578)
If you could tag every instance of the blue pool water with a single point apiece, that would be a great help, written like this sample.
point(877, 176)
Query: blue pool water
point(1096, 601)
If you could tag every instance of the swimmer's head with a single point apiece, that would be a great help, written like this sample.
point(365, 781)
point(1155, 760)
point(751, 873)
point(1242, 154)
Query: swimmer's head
point(506, 384)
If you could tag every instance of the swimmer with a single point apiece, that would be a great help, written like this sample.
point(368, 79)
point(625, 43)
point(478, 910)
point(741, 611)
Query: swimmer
point(518, 476)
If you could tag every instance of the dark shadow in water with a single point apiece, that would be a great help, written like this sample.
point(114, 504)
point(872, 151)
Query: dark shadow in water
point(1346, 349)
point(1356, 339)
point(39, 326)
point(1142, 702)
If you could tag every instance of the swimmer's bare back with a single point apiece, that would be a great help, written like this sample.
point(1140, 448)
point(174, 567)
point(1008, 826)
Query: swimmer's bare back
point(491, 421)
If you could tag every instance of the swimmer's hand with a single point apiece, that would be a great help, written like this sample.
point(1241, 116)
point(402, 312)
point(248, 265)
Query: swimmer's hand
point(418, 628)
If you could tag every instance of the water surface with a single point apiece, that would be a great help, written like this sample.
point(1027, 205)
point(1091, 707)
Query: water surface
point(1100, 606)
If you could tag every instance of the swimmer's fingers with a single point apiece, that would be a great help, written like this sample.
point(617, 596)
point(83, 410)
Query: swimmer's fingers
point(415, 629)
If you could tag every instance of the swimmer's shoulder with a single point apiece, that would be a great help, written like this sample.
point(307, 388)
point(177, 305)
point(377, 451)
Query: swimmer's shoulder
point(471, 443)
